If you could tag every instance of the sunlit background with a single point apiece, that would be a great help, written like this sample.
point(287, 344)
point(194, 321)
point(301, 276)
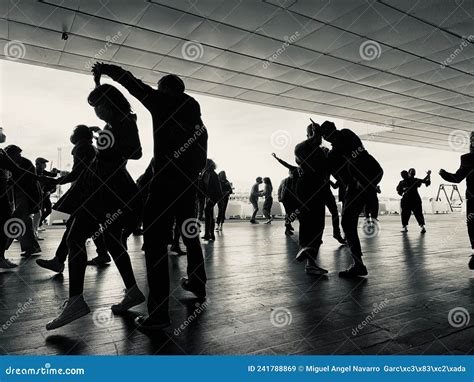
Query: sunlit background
point(40, 107)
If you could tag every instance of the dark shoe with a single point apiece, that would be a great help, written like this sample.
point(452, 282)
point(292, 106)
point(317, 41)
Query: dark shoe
point(206, 237)
point(53, 265)
point(471, 263)
point(73, 309)
point(177, 250)
point(145, 324)
point(339, 238)
point(354, 271)
point(253, 222)
point(213, 237)
point(199, 292)
point(99, 261)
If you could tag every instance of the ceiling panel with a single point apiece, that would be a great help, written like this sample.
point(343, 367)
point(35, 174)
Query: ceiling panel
point(307, 55)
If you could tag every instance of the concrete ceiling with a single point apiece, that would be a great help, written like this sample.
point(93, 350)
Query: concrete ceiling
point(405, 64)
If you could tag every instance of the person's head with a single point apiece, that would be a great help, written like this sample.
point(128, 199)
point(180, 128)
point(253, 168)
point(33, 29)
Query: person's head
point(41, 163)
point(327, 129)
point(171, 83)
point(14, 152)
point(267, 180)
point(109, 103)
point(259, 179)
point(81, 133)
point(222, 175)
point(404, 174)
point(210, 165)
point(412, 172)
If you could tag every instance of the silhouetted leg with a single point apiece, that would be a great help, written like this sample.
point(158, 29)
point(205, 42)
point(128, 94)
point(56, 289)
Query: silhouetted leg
point(418, 212)
point(46, 211)
point(355, 201)
point(5, 214)
point(100, 245)
point(209, 219)
point(255, 210)
point(332, 207)
point(406, 212)
point(157, 228)
point(62, 251)
point(78, 233)
point(113, 241)
point(470, 220)
point(28, 242)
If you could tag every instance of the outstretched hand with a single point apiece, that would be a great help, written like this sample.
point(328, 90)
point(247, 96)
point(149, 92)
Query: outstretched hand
point(274, 155)
point(97, 72)
point(442, 172)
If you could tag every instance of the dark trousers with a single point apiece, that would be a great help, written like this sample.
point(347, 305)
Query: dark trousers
point(267, 207)
point(22, 211)
point(99, 241)
point(255, 209)
point(470, 220)
point(210, 222)
point(371, 209)
point(290, 216)
point(45, 210)
point(330, 201)
point(200, 204)
point(312, 220)
point(408, 206)
point(82, 227)
point(356, 199)
point(222, 205)
point(162, 206)
point(5, 214)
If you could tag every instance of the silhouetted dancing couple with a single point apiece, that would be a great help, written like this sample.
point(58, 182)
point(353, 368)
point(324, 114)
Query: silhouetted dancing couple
point(287, 194)
point(411, 200)
point(177, 128)
point(360, 173)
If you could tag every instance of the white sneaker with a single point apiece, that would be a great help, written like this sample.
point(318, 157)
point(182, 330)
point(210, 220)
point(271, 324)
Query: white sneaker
point(74, 308)
point(404, 229)
point(7, 264)
point(131, 298)
point(314, 270)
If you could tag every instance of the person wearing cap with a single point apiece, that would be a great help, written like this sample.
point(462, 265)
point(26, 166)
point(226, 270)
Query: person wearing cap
point(180, 153)
point(466, 171)
point(27, 201)
point(361, 173)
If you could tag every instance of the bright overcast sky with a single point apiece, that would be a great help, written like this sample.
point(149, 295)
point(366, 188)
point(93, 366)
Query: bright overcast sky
point(39, 107)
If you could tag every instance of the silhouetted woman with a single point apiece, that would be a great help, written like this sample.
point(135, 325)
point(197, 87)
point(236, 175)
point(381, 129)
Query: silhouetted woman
point(226, 188)
point(212, 187)
point(104, 194)
point(268, 203)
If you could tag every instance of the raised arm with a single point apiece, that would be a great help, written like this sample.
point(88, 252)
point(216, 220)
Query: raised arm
point(136, 87)
point(458, 176)
point(286, 164)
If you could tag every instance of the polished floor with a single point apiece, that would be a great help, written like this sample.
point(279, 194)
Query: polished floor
point(417, 299)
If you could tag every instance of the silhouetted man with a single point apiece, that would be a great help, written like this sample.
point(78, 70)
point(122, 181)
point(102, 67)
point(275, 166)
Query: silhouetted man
point(27, 196)
point(466, 171)
point(180, 153)
point(255, 193)
point(361, 173)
